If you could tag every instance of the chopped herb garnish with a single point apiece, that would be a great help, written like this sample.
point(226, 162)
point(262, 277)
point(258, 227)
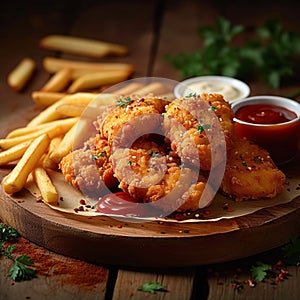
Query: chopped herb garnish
point(244, 163)
point(201, 128)
point(181, 166)
point(95, 157)
point(259, 271)
point(103, 153)
point(20, 269)
point(191, 95)
point(152, 287)
point(129, 163)
point(124, 102)
point(291, 252)
point(213, 108)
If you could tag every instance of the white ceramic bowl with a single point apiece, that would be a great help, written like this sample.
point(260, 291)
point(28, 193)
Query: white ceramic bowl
point(280, 139)
point(232, 89)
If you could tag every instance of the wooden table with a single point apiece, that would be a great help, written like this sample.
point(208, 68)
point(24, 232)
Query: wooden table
point(150, 29)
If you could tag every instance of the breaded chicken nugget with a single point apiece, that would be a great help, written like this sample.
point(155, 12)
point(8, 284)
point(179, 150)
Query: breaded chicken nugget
point(88, 169)
point(250, 173)
point(149, 175)
point(200, 128)
point(128, 119)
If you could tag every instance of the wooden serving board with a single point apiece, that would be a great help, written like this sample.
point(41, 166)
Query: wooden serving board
point(151, 244)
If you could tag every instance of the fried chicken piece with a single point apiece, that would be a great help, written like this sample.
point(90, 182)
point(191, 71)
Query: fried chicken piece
point(129, 118)
point(149, 175)
point(200, 129)
point(250, 173)
point(88, 169)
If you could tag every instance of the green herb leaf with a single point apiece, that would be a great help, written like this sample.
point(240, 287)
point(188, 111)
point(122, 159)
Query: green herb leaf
point(273, 53)
point(291, 252)
point(123, 102)
point(7, 232)
point(152, 287)
point(258, 272)
point(19, 270)
point(202, 128)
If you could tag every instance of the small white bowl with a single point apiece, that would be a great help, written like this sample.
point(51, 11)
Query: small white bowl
point(280, 139)
point(232, 89)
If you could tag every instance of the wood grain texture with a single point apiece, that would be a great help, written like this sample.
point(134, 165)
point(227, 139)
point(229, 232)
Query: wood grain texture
point(178, 284)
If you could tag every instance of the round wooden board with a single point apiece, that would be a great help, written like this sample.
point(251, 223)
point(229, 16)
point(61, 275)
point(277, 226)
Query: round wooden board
point(151, 244)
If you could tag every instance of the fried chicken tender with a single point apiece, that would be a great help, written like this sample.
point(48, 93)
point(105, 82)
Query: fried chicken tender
point(250, 173)
point(88, 169)
point(200, 128)
point(128, 119)
point(149, 175)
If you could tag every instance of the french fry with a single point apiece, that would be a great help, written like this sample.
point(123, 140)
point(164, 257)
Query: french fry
point(21, 74)
point(151, 88)
point(167, 96)
point(47, 162)
point(80, 68)
point(50, 113)
point(46, 98)
point(96, 80)
point(26, 130)
point(13, 153)
point(65, 146)
point(44, 184)
point(129, 89)
point(58, 81)
point(51, 131)
point(82, 46)
point(71, 110)
point(16, 179)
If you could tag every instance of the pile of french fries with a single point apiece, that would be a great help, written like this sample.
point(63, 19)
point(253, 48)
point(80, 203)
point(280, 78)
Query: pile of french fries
point(38, 147)
point(74, 75)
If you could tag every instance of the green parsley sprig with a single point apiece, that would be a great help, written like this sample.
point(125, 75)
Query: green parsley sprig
point(20, 270)
point(123, 102)
point(273, 53)
point(152, 287)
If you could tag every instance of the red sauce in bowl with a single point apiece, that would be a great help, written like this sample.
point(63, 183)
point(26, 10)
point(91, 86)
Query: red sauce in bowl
point(273, 127)
point(265, 114)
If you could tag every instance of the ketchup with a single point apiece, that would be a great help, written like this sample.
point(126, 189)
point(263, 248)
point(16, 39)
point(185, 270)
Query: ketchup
point(265, 114)
point(120, 203)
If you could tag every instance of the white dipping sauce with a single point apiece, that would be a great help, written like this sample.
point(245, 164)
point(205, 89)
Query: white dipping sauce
point(229, 92)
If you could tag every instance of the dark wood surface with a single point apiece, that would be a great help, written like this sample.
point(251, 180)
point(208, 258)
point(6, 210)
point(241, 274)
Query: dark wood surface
point(150, 29)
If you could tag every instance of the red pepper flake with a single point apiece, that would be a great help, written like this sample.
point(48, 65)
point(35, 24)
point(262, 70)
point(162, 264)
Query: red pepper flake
point(76, 209)
point(162, 232)
point(61, 198)
point(82, 202)
point(207, 212)
point(119, 226)
point(186, 231)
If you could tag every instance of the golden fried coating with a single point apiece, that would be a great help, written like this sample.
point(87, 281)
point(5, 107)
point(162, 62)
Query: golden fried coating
point(200, 128)
point(88, 169)
point(129, 118)
point(250, 173)
point(148, 174)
